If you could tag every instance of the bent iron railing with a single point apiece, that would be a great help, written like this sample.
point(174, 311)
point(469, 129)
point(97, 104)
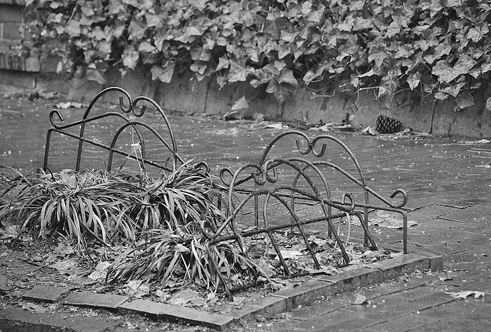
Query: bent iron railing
point(266, 172)
point(133, 109)
point(263, 185)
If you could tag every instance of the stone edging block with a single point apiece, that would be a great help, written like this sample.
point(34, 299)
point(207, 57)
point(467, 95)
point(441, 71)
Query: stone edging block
point(162, 310)
point(42, 293)
point(95, 300)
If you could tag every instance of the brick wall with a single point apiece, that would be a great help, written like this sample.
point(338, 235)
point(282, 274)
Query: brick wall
point(11, 20)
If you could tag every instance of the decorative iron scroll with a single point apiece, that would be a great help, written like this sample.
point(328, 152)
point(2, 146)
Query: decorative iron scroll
point(136, 108)
point(256, 181)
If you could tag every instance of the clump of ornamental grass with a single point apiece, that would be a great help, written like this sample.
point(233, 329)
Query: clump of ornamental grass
point(169, 260)
point(165, 221)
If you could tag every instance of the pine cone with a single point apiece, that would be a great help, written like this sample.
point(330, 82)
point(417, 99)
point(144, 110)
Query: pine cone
point(387, 125)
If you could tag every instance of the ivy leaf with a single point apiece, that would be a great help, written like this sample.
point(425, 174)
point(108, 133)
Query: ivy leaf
point(306, 8)
point(393, 29)
point(367, 74)
point(454, 90)
point(464, 101)
point(104, 47)
point(413, 80)
point(477, 33)
point(288, 36)
point(286, 76)
point(97, 34)
point(146, 47)
point(154, 20)
point(164, 74)
point(88, 11)
point(272, 30)
point(237, 72)
point(280, 91)
point(73, 28)
point(314, 16)
point(195, 51)
point(198, 4)
point(448, 74)
point(283, 50)
point(118, 28)
point(378, 57)
point(116, 7)
point(130, 58)
point(136, 29)
point(223, 62)
point(435, 7)
point(454, 3)
point(440, 95)
point(387, 88)
point(199, 68)
point(488, 104)
point(193, 31)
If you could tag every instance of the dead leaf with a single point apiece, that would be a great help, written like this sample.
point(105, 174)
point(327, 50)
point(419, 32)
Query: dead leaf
point(466, 294)
point(326, 127)
point(360, 299)
point(67, 266)
point(187, 297)
point(481, 141)
point(8, 232)
point(275, 126)
point(100, 271)
point(137, 288)
point(69, 104)
point(240, 104)
point(369, 131)
point(64, 249)
point(445, 278)
point(290, 254)
point(258, 116)
point(34, 307)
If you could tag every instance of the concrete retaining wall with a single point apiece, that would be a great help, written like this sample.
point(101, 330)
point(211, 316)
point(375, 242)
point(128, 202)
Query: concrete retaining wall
point(186, 95)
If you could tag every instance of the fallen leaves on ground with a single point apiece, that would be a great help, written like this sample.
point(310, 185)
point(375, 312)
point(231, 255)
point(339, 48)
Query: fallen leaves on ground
point(465, 294)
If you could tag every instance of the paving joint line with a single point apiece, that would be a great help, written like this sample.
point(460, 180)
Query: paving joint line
point(407, 314)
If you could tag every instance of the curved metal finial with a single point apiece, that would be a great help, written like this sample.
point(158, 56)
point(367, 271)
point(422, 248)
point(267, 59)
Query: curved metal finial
point(123, 108)
point(299, 147)
point(321, 152)
point(404, 198)
point(223, 173)
point(297, 141)
point(142, 111)
point(266, 167)
point(351, 201)
point(259, 176)
point(52, 120)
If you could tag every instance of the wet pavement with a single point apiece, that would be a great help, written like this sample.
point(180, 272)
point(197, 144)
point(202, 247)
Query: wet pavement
point(448, 181)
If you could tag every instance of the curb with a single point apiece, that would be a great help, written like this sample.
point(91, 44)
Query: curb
point(276, 303)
